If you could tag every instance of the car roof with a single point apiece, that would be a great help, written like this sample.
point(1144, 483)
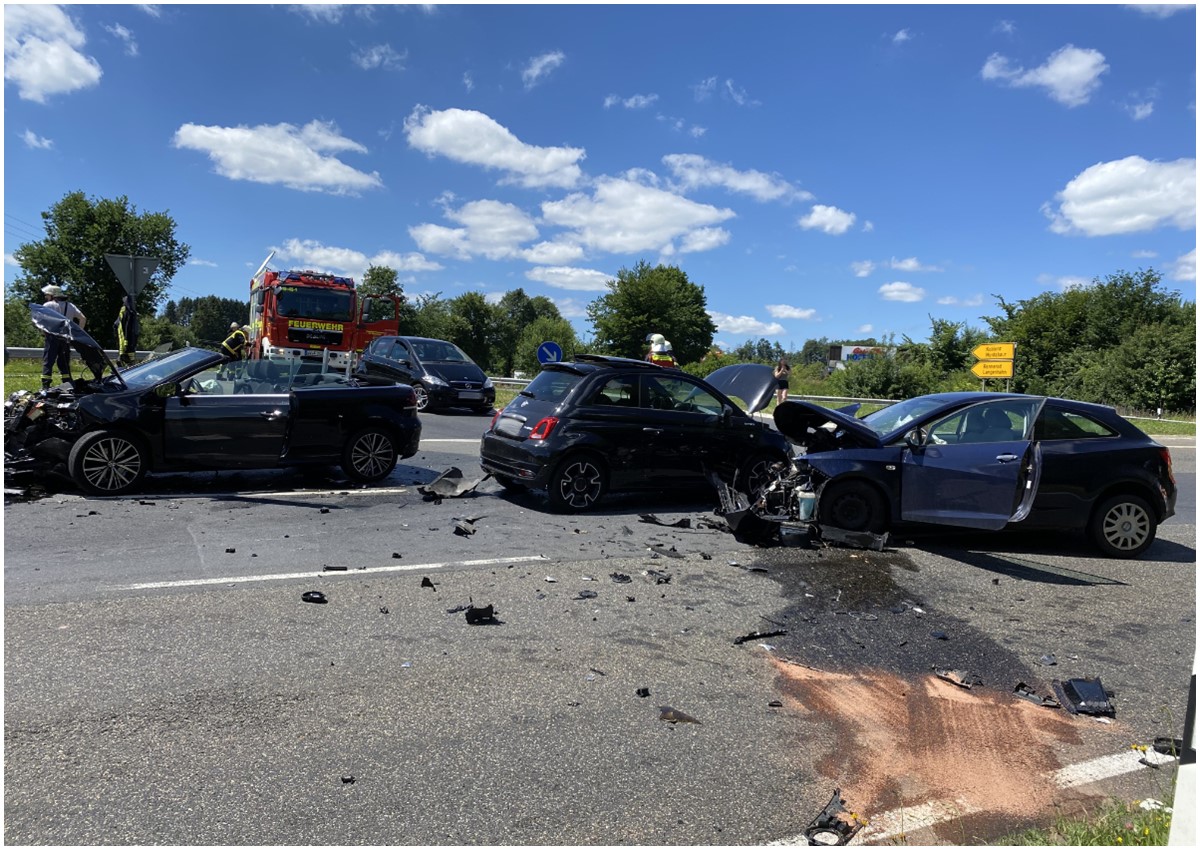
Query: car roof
point(584, 364)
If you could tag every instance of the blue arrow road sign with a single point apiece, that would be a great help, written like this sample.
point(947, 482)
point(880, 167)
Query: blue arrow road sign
point(549, 352)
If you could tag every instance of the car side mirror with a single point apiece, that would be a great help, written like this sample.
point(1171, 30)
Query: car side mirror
point(166, 390)
point(726, 414)
point(916, 438)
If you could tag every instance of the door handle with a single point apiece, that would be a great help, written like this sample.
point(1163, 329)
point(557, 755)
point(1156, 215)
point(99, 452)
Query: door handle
point(652, 430)
point(1007, 458)
point(270, 415)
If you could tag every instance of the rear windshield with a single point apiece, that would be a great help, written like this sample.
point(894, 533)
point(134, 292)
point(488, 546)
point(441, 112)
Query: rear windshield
point(439, 351)
point(551, 385)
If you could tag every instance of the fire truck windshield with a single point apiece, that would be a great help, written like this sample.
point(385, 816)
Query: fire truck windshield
point(307, 303)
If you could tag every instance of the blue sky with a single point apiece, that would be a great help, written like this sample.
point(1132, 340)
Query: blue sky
point(822, 171)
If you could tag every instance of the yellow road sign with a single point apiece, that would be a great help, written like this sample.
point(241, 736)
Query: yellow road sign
point(994, 351)
point(993, 369)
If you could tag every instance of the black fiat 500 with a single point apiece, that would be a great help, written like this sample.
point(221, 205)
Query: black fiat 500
point(595, 424)
point(440, 373)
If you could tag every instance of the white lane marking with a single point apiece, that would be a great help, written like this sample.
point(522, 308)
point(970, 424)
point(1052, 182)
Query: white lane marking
point(473, 442)
point(390, 568)
point(1106, 767)
point(910, 819)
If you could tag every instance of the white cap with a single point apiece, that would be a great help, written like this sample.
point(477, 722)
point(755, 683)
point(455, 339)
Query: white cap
point(52, 290)
point(233, 326)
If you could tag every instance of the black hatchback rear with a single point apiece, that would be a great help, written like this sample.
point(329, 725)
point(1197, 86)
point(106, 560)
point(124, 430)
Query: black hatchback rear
point(582, 428)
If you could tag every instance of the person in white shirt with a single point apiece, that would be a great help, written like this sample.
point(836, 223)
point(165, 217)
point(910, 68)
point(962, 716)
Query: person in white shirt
point(55, 349)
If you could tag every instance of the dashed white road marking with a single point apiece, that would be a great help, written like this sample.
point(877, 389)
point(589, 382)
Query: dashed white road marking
point(389, 568)
point(910, 819)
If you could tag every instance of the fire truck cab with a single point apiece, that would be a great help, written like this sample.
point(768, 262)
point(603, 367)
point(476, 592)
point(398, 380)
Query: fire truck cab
point(306, 318)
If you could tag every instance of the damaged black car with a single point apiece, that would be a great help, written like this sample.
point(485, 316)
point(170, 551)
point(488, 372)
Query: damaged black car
point(975, 460)
point(178, 413)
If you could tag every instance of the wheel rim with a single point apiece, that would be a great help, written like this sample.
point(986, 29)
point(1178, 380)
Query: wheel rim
point(111, 464)
point(372, 455)
point(1126, 526)
point(851, 511)
point(580, 484)
point(758, 477)
point(422, 396)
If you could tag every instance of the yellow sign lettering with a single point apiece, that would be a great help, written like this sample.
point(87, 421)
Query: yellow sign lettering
point(993, 369)
point(994, 351)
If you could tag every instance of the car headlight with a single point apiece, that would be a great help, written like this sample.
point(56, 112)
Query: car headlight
point(487, 383)
point(434, 381)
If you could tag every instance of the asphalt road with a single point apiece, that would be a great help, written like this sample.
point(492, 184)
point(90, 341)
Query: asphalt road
point(166, 684)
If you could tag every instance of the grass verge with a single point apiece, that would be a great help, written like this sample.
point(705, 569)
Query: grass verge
point(1111, 823)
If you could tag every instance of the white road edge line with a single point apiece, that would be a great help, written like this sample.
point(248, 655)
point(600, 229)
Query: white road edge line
point(911, 819)
point(390, 568)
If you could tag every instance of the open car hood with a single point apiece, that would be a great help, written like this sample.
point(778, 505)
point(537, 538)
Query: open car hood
point(753, 383)
point(54, 323)
point(794, 419)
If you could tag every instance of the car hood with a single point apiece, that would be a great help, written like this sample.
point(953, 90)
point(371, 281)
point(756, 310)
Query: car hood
point(54, 323)
point(794, 419)
point(753, 383)
point(451, 371)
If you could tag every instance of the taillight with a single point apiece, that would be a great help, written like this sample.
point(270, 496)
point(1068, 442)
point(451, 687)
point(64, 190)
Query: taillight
point(495, 416)
point(542, 430)
point(1166, 456)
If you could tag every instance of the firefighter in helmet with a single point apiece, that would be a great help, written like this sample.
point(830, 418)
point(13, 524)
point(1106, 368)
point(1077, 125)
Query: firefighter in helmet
point(233, 348)
point(660, 351)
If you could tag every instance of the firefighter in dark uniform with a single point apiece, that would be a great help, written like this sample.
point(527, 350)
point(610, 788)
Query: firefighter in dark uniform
point(233, 348)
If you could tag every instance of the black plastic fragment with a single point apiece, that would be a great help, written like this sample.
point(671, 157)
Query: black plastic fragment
point(620, 578)
point(315, 596)
point(653, 520)
point(479, 616)
point(643, 692)
point(758, 636)
point(829, 828)
point(336, 568)
point(958, 677)
point(854, 539)
point(1084, 696)
point(426, 582)
point(1027, 693)
point(674, 715)
point(586, 594)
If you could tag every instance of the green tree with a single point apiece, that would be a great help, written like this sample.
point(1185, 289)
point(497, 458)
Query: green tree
point(646, 300)
point(517, 312)
point(540, 330)
point(432, 317)
point(79, 232)
point(384, 281)
point(814, 351)
point(478, 327)
point(19, 330)
point(211, 316)
point(763, 351)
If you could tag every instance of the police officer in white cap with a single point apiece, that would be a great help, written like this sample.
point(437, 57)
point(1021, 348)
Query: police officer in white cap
point(56, 350)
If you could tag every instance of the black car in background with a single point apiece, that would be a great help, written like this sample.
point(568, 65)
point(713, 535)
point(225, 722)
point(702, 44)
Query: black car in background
point(177, 413)
point(595, 424)
point(440, 373)
point(978, 460)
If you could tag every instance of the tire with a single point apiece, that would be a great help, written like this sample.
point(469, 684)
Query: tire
point(422, 397)
point(512, 485)
point(755, 474)
point(1123, 526)
point(577, 483)
point(369, 455)
point(853, 506)
point(107, 463)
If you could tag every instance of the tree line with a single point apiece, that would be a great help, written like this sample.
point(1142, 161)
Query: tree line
point(1125, 340)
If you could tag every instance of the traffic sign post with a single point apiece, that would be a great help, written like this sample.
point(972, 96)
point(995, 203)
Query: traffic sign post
point(549, 352)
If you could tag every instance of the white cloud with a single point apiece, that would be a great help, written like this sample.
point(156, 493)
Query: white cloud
point(1006, 27)
point(196, 261)
point(41, 53)
point(704, 89)
point(637, 101)
point(696, 132)
point(693, 171)
point(862, 268)
point(281, 154)
point(468, 81)
point(745, 325)
point(570, 308)
point(786, 311)
point(868, 226)
point(703, 239)
point(954, 301)
point(328, 13)
point(490, 229)
point(10, 260)
point(1144, 255)
point(624, 216)
point(1185, 267)
point(901, 37)
point(1069, 282)
point(1126, 196)
point(865, 329)
point(1070, 75)
point(566, 277)
point(475, 139)
point(541, 66)
point(1138, 111)
point(311, 254)
point(911, 264)
point(379, 56)
point(33, 140)
point(131, 47)
point(827, 219)
point(738, 95)
point(1158, 10)
point(557, 252)
point(899, 291)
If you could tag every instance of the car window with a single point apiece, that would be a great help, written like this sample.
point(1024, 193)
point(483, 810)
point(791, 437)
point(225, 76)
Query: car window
point(380, 346)
point(620, 392)
point(551, 385)
point(671, 393)
point(1058, 424)
point(436, 350)
point(398, 352)
point(895, 416)
point(989, 422)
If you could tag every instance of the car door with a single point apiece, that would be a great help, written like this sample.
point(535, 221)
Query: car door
point(612, 417)
point(393, 360)
point(959, 473)
point(684, 420)
point(225, 431)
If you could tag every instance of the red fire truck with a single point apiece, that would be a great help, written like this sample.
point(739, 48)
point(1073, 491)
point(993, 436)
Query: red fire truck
point(307, 318)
